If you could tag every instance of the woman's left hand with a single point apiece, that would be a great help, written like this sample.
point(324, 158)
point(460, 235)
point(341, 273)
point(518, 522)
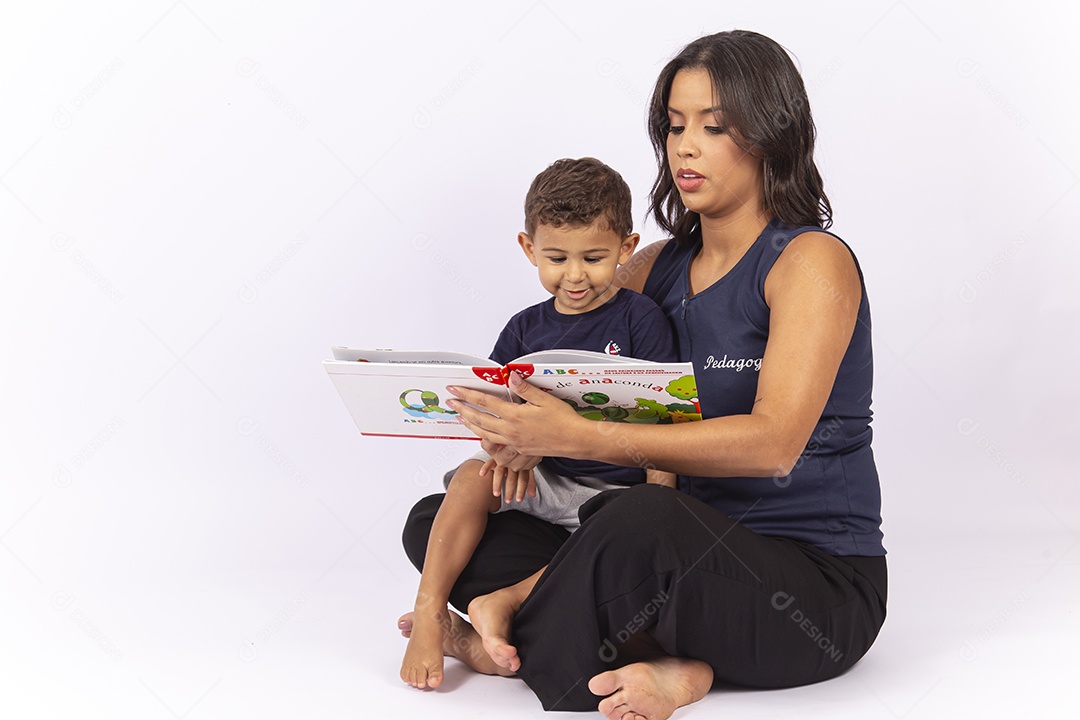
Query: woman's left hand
point(542, 426)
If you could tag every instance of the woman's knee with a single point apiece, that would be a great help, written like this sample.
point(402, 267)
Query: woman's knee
point(641, 501)
point(641, 511)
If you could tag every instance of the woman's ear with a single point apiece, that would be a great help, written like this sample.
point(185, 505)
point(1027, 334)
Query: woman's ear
point(526, 244)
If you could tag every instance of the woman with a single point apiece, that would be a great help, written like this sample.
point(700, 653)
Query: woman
point(765, 568)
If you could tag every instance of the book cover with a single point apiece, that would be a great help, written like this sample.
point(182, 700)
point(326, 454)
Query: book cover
point(400, 393)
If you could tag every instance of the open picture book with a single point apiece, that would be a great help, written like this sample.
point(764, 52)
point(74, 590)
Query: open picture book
point(400, 393)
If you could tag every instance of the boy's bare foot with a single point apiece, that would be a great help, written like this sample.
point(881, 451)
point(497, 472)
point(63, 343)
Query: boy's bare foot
point(423, 663)
point(651, 690)
point(460, 641)
point(492, 615)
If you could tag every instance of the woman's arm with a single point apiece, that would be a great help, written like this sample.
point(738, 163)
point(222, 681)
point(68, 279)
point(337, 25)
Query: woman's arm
point(813, 292)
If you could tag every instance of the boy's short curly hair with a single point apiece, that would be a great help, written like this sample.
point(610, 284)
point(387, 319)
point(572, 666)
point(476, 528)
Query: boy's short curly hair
point(576, 193)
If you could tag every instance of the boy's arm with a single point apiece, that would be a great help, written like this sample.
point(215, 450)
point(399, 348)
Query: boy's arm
point(659, 477)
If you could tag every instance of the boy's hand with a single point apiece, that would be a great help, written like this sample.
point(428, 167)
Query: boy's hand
point(513, 485)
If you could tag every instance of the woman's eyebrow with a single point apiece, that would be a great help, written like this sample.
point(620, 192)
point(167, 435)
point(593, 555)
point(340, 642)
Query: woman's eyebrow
point(715, 110)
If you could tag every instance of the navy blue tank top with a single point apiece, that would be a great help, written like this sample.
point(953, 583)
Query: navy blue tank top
point(832, 498)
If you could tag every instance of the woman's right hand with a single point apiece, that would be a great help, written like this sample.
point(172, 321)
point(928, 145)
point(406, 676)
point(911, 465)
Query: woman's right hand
point(542, 425)
point(508, 457)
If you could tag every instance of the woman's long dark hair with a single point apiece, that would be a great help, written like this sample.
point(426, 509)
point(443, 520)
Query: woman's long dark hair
point(764, 103)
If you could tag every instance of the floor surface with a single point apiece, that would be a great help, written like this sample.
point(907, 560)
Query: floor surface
point(150, 622)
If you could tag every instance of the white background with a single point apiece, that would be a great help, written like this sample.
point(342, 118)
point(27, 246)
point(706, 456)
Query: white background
point(197, 199)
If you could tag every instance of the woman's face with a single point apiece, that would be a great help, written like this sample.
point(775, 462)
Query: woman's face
point(715, 177)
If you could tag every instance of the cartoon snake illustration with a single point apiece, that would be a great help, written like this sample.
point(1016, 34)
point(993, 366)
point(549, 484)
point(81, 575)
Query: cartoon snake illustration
point(429, 402)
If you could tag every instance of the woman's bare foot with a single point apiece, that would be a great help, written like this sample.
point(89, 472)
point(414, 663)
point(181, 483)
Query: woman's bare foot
point(492, 616)
point(459, 640)
point(651, 690)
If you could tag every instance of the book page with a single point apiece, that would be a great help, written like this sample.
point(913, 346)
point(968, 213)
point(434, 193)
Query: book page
point(572, 357)
point(411, 357)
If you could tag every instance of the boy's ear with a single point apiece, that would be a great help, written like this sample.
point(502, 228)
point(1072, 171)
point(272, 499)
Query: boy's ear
point(526, 244)
point(629, 244)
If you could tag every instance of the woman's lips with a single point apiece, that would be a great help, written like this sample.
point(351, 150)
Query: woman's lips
point(688, 180)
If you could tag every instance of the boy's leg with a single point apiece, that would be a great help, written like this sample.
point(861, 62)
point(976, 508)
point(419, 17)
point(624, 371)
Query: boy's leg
point(760, 611)
point(455, 531)
point(513, 547)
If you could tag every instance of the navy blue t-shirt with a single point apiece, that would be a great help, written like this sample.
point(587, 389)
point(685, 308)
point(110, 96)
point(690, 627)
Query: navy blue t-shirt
point(630, 325)
point(832, 498)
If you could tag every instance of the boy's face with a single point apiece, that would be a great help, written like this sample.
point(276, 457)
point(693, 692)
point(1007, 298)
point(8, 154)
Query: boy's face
point(577, 264)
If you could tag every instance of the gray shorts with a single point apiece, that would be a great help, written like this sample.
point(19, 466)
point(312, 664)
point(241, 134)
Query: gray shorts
point(558, 498)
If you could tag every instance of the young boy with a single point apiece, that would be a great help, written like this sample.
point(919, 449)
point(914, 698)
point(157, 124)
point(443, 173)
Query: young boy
point(578, 230)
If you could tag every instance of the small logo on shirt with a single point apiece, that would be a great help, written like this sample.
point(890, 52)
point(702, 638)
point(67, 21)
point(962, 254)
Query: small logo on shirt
point(612, 348)
point(737, 364)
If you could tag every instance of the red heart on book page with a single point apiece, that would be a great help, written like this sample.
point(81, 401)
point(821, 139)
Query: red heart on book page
point(489, 374)
point(524, 369)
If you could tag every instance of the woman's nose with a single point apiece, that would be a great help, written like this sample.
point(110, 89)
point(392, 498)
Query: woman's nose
point(686, 148)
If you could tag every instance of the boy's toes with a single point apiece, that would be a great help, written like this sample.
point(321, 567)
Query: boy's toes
point(422, 676)
point(405, 624)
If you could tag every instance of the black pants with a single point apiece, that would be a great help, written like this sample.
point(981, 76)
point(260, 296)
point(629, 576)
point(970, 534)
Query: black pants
point(763, 612)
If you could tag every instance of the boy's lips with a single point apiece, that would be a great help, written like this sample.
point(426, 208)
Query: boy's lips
point(576, 294)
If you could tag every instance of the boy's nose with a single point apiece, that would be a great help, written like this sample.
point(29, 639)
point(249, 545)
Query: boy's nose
point(575, 271)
